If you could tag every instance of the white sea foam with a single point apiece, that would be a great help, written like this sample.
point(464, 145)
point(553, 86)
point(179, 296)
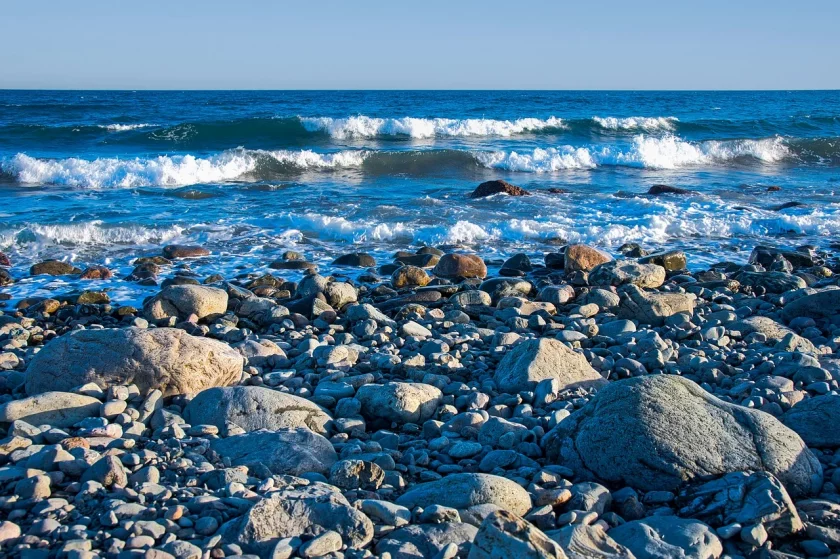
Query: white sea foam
point(87, 233)
point(369, 127)
point(342, 229)
point(124, 127)
point(668, 152)
point(648, 124)
point(166, 170)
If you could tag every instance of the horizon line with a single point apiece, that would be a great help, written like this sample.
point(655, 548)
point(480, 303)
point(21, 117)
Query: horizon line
point(547, 90)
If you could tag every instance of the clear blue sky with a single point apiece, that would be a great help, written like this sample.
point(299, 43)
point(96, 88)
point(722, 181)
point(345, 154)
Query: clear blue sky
point(427, 44)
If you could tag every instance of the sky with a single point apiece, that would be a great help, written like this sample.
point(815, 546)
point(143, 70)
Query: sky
point(431, 44)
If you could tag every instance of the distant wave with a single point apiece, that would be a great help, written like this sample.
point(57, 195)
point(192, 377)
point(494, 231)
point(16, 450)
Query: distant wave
point(369, 127)
point(240, 164)
point(124, 127)
point(648, 124)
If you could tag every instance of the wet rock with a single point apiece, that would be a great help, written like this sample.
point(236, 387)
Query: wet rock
point(460, 266)
point(97, 273)
point(489, 188)
point(671, 260)
point(409, 276)
point(765, 256)
point(660, 189)
point(283, 451)
point(583, 258)
point(658, 432)
point(53, 268)
point(253, 408)
point(172, 252)
point(163, 358)
point(355, 260)
point(532, 361)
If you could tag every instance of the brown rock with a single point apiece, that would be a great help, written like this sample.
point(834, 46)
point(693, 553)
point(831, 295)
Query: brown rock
point(97, 273)
point(460, 266)
point(4, 260)
point(583, 258)
point(409, 276)
point(498, 187)
point(184, 251)
point(53, 268)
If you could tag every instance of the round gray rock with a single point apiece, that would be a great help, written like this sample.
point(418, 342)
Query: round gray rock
point(531, 361)
point(183, 300)
point(284, 451)
point(400, 402)
point(815, 420)
point(461, 491)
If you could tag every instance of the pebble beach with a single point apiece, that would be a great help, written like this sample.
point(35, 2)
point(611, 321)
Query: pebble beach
point(576, 402)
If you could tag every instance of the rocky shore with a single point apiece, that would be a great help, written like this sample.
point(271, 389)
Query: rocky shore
point(578, 405)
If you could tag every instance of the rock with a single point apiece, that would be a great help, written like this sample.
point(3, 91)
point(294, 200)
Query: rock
point(355, 260)
point(745, 498)
point(810, 418)
point(97, 273)
point(409, 276)
point(773, 282)
point(356, 474)
point(653, 307)
point(8, 531)
point(59, 409)
point(399, 402)
point(460, 266)
point(668, 537)
point(181, 301)
point(581, 541)
point(253, 408)
point(671, 260)
point(283, 451)
point(108, 471)
point(657, 432)
point(531, 361)
point(660, 189)
point(583, 258)
point(774, 332)
point(53, 268)
point(293, 265)
point(421, 541)
point(490, 188)
point(5, 278)
point(765, 256)
point(295, 512)
point(92, 298)
point(4, 260)
point(823, 304)
point(462, 491)
point(324, 544)
point(171, 252)
point(162, 358)
point(503, 534)
point(339, 293)
point(621, 272)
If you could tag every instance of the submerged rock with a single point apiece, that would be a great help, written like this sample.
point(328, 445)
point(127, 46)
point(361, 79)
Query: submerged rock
point(490, 188)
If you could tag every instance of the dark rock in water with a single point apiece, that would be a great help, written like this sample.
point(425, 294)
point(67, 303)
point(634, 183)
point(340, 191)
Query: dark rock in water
point(419, 260)
point(97, 272)
point(787, 205)
point(555, 260)
point(765, 256)
point(388, 269)
point(774, 188)
point(460, 266)
point(156, 260)
point(293, 265)
point(490, 188)
point(179, 280)
point(519, 262)
point(4, 260)
point(632, 250)
point(672, 260)
point(292, 255)
point(659, 189)
point(355, 260)
point(5, 277)
point(184, 251)
point(557, 191)
point(53, 268)
point(430, 250)
point(90, 298)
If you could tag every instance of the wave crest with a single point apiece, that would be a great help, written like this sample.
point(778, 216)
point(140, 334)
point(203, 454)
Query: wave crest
point(370, 127)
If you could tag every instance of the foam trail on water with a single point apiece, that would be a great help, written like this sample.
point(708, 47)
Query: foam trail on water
point(369, 127)
point(648, 124)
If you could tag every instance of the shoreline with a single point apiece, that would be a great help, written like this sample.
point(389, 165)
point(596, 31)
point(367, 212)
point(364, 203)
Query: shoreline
point(423, 408)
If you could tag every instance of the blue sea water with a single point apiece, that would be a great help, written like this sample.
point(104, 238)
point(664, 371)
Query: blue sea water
point(98, 177)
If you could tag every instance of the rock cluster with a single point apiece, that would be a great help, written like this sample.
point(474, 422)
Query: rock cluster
point(570, 405)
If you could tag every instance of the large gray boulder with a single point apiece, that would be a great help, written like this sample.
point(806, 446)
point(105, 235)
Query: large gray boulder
point(503, 534)
point(622, 272)
point(181, 301)
point(167, 359)
point(298, 511)
point(283, 451)
point(815, 420)
point(400, 402)
point(461, 491)
point(419, 541)
point(588, 541)
point(668, 537)
point(58, 409)
point(529, 362)
point(657, 432)
point(253, 408)
point(653, 307)
point(774, 332)
point(823, 304)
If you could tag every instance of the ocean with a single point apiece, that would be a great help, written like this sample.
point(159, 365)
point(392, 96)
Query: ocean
point(102, 177)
